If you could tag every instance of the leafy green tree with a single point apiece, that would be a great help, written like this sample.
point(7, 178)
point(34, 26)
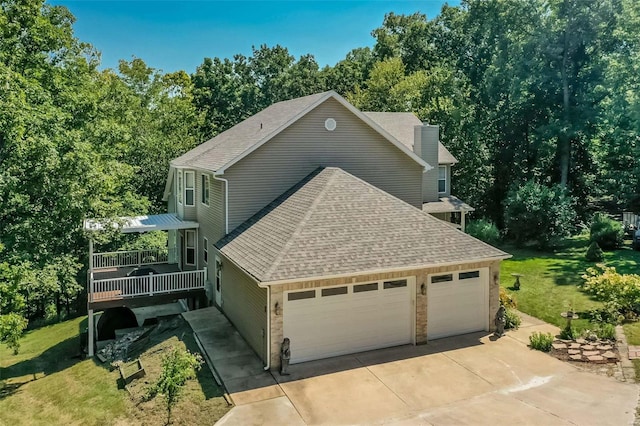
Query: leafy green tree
point(539, 216)
point(178, 366)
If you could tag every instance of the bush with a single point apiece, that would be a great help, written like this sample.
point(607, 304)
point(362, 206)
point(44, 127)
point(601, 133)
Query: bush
point(568, 333)
point(605, 331)
point(541, 341)
point(621, 293)
point(513, 319)
point(507, 300)
point(484, 230)
point(594, 253)
point(537, 215)
point(607, 232)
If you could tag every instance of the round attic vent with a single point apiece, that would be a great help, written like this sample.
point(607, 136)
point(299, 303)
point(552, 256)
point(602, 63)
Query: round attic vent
point(330, 124)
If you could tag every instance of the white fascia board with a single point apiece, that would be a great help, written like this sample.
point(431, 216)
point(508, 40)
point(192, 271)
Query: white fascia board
point(384, 271)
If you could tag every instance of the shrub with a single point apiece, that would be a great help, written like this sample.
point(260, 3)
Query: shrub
point(605, 331)
point(607, 232)
point(568, 333)
point(538, 215)
point(507, 300)
point(484, 230)
point(541, 341)
point(594, 253)
point(513, 319)
point(11, 328)
point(621, 293)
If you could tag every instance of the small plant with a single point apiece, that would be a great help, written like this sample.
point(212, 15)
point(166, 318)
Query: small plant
point(484, 230)
point(11, 328)
point(605, 331)
point(608, 233)
point(178, 366)
point(541, 341)
point(507, 300)
point(513, 319)
point(594, 253)
point(568, 333)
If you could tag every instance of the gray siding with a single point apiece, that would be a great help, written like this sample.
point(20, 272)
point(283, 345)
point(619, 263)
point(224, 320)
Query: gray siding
point(245, 304)
point(353, 146)
point(210, 218)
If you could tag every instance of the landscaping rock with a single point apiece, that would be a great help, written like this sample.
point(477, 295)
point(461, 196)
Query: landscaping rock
point(604, 347)
point(581, 341)
point(575, 346)
point(590, 353)
point(575, 357)
point(559, 346)
point(610, 355)
point(588, 347)
point(595, 358)
point(574, 351)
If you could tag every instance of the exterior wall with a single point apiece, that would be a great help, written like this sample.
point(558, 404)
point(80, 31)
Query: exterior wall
point(210, 218)
point(306, 145)
point(426, 146)
point(245, 304)
point(277, 296)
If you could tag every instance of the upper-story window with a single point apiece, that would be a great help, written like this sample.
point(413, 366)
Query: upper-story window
point(179, 187)
point(189, 188)
point(442, 179)
point(204, 197)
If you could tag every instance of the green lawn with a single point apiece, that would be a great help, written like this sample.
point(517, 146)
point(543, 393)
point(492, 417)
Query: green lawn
point(549, 285)
point(45, 384)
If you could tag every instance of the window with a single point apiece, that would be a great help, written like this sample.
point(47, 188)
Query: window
point(334, 291)
point(441, 278)
point(299, 295)
point(467, 275)
point(189, 188)
point(190, 248)
point(395, 284)
point(206, 250)
point(365, 287)
point(179, 188)
point(204, 198)
point(442, 179)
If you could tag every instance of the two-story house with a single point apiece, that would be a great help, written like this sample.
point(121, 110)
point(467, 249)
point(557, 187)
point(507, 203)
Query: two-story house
point(313, 225)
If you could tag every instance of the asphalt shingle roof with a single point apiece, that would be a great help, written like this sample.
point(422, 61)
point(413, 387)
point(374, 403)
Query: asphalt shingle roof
point(335, 223)
point(400, 125)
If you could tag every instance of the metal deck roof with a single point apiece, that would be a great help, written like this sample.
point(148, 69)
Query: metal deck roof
point(148, 223)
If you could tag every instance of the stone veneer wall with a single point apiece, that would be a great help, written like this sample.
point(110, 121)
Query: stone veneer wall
point(277, 296)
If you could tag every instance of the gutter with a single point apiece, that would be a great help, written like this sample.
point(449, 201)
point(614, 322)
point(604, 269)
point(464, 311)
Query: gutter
point(383, 271)
point(268, 332)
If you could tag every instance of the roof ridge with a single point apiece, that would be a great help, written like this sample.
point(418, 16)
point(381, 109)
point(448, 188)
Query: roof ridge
point(305, 219)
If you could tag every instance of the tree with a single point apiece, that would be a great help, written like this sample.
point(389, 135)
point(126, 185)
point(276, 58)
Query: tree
point(178, 366)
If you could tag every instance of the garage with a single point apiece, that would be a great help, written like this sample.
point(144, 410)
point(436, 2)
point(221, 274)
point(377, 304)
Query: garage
point(457, 303)
point(331, 321)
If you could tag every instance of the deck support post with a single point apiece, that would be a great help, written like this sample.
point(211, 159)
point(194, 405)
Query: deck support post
point(91, 333)
point(462, 217)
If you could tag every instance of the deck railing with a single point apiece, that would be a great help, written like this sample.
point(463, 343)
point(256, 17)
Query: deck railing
point(116, 259)
point(148, 285)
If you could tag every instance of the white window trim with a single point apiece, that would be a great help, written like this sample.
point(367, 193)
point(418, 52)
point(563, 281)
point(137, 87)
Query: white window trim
point(187, 247)
point(180, 186)
point(205, 190)
point(446, 183)
point(205, 251)
point(190, 189)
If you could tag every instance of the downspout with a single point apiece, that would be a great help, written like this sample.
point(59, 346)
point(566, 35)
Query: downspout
point(268, 354)
point(226, 203)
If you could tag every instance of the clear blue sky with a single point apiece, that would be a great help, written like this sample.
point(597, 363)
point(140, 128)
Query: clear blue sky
point(178, 35)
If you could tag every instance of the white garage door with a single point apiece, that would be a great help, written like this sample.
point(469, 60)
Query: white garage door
point(331, 321)
point(458, 303)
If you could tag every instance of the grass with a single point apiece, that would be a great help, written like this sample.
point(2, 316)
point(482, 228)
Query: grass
point(47, 384)
point(549, 285)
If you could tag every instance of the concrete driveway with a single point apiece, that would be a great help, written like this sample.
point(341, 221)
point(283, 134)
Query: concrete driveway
point(471, 379)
